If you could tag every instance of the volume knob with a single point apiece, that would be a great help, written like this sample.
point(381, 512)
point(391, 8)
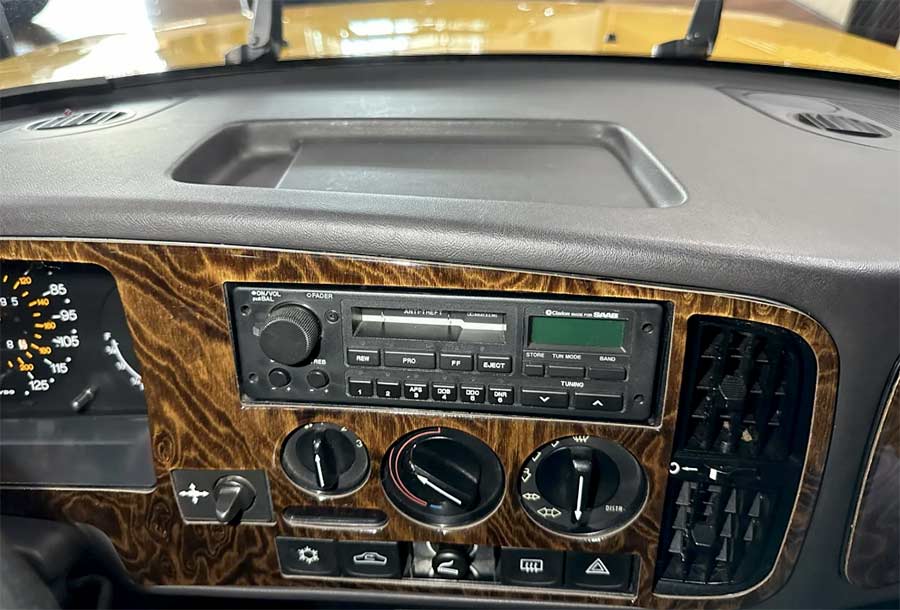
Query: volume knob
point(290, 334)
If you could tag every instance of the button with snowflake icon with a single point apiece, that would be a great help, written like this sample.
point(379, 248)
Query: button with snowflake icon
point(307, 557)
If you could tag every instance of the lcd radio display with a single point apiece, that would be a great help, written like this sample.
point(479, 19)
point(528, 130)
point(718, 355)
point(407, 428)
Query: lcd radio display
point(576, 332)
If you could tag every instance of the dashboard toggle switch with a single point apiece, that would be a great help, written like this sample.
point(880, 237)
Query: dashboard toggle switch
point(223, 496)
point(233, 496)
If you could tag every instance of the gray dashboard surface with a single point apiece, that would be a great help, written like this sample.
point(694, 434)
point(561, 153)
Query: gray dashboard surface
point(773, 211)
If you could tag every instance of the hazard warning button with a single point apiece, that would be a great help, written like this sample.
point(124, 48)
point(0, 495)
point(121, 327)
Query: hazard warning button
point(600, 572)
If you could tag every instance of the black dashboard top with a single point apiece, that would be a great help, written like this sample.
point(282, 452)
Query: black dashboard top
point(773, 210)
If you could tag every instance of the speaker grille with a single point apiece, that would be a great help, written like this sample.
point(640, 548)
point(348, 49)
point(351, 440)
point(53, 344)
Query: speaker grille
point(740, 442)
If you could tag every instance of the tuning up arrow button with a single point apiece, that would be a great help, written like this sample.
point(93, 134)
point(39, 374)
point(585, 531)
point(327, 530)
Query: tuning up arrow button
point(599, 402)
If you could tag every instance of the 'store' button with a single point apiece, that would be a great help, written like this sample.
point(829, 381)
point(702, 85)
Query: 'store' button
point(599, 572)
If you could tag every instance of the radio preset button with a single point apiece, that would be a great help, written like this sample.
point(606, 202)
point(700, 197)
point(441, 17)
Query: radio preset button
point(409, 360)
point(414, 390)
point(556, 370)
point(495, 364)
point(456, 362)
point(472, 393)
point(387, 389)
point(533, 370)
point(607, 373)
point(545, 398)
point(501, 396)
point(363, 357)
point(444, 392)
point(599, 402)
point(360, 387)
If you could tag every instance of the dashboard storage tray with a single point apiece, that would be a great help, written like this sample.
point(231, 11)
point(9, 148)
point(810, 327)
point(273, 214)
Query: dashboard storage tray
point(578, 163)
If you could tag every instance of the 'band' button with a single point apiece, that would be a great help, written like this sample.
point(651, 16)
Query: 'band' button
point(363, 357)
point(607, 373)
point(360, 387)
point(409, 360)
point(444, 392)
point(545, 398)
point(495, 364)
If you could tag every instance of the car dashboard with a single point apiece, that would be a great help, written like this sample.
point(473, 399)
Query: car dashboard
point(452, 331)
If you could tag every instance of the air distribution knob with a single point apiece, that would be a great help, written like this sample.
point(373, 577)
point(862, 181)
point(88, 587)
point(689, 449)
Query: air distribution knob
point(582, 485)
point(290, 334)
point(325, 459)
point(442, 477)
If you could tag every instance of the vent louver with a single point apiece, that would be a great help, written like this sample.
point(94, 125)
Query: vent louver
point(738, 454)
point(843, 125)
point(81, 119)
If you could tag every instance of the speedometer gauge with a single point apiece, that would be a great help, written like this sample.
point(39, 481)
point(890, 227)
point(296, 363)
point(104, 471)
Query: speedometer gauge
point(65, 347)
point(39, 335)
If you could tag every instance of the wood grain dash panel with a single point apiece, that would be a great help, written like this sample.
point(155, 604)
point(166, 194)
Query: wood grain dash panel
point(173, 296)
point(872, 558)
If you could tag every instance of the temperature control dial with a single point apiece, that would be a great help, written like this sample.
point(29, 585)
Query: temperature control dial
point(582, 486)
point(442, 477)
point(325, 459)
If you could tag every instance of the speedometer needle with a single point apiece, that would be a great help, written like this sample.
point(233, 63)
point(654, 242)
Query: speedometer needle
point(580, 493)
point(424, 481)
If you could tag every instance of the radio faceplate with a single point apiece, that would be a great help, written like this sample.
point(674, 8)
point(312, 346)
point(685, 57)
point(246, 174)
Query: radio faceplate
point(578, 359)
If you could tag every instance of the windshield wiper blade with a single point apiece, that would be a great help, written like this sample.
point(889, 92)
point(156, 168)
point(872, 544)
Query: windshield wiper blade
point(701, 36)
point(265, 39)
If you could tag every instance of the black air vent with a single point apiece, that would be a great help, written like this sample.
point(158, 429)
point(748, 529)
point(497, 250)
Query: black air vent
point(81, 119)
point(740, 443)
point(844, 125)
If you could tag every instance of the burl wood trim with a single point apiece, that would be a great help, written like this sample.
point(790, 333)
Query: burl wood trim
point(174, 299)
point(872, 558)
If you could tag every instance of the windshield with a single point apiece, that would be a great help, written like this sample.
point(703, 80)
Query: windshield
point(62, 40)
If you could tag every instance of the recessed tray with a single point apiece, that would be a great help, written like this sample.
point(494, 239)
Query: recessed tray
point(566, 162)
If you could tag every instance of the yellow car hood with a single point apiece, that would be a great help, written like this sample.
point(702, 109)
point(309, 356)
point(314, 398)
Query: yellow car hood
point(453, 27)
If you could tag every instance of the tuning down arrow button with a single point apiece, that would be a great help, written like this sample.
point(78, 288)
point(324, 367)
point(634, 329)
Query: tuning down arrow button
point(545, 398)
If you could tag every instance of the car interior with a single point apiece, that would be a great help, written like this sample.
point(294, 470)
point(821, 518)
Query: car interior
point(448, 303)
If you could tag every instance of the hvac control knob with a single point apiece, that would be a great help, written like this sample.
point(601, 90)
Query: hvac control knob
point(233, 495)
point(290, 334)
point(582, 485)
point(442, 477)
point(325, 459)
